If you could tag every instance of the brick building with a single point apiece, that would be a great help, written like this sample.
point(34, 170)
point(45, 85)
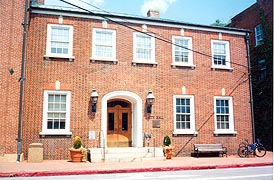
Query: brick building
point(12, 16)
point(261, 46)
point(200, 85)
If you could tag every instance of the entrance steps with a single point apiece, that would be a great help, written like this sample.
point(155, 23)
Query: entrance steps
point(125, 154)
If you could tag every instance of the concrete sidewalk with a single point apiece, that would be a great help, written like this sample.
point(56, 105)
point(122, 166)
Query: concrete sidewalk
point(63, 167)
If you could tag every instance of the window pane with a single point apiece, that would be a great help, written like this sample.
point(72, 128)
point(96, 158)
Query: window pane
point(111, 121)
point(62, 124)
point(124, 121)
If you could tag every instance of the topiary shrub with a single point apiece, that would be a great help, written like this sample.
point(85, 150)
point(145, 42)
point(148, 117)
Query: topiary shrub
point(166, 141)
point(77, 143)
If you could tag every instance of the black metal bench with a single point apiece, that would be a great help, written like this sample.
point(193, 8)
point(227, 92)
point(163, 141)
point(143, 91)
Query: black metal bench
point(210, 148)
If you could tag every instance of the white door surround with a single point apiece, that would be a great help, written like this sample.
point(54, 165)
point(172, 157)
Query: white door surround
point(137, 116)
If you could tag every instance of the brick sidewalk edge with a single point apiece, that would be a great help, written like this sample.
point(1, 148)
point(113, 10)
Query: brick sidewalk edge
point(154, 169)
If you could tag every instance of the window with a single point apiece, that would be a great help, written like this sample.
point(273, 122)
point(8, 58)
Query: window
point(184, 119)
point(104, 44)
point(262, 69)
point(56, 113)
point(143, 48)
point(220, 54)
point(223, 111)
point(59, 41)
point(259, 35)
point(181, 54)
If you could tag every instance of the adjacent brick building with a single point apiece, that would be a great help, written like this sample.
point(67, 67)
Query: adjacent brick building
point(261, 46)
point(12, 16)
point(200, 85)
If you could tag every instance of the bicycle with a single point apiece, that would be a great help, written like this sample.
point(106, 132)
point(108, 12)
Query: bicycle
point(256, 148)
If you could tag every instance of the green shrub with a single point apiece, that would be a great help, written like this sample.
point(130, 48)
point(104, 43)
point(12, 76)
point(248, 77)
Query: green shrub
point(166, 141)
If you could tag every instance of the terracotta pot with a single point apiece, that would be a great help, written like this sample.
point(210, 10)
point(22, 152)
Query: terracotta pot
point(168, 153)
point(76, 155)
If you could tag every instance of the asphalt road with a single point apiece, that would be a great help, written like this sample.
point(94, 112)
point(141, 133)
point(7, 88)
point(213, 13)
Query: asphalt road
point(249, 173)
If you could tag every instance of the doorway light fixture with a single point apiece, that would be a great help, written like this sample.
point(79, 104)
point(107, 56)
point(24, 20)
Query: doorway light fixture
point(150, 100)
point(94, 98)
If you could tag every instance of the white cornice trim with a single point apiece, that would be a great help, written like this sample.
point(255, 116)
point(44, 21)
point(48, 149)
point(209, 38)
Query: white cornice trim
point(139, 21)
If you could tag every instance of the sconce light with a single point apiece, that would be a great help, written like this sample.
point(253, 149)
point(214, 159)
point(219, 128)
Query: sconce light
point(150, 101)
point(94, 98)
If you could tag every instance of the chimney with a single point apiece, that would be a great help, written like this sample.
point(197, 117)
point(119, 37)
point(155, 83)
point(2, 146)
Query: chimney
point(153, 13)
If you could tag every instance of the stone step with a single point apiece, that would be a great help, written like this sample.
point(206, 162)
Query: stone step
point(129, 154)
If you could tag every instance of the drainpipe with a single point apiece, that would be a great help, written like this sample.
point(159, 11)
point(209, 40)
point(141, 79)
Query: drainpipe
point(250, 84)
point(22, 79)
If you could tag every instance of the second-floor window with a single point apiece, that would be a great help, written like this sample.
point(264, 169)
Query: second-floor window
point(143, 48)
point(104, 44)
point(259, 34)
point(220, 54)
point(59, 41)
point(181, 51)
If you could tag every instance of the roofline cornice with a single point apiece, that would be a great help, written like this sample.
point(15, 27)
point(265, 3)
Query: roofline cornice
point(135, 20)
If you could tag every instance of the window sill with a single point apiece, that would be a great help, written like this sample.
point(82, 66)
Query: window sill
point(44, 134)
point(144, 62)
point(221, 68)
point(194, 133)
point(217, 133)
point(174, 65)
point(93, 60)
point(48, 57)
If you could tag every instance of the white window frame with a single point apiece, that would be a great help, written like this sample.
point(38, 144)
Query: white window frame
point(190, 53)
point(259, 37)
point(45, 130)
point(70, 45)
point(144, 61)
point(192, 115)
point(231, 116)
point(227, 55)
point(113, 45)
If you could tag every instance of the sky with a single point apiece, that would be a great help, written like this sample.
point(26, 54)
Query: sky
point(204, 12)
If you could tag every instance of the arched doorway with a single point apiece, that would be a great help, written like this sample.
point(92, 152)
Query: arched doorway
point(136, 116)
point(119, 123)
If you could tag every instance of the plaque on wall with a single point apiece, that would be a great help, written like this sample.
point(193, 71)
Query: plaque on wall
point(156, 123)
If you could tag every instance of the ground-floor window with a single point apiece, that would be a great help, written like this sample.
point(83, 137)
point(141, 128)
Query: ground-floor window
point(223, 115)
point(184, 117)
point(56, 113)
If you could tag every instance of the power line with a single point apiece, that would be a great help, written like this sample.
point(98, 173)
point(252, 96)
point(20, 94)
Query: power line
point(147, 34)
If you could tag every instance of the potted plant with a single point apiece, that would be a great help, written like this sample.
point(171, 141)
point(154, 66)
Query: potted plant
point(77, 152)
point(167, 148)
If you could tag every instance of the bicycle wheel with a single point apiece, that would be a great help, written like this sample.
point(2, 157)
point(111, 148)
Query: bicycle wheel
point(260, 151)
point(242, 151)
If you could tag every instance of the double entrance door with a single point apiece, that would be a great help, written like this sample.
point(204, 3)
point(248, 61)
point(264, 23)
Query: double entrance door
point(119, 124)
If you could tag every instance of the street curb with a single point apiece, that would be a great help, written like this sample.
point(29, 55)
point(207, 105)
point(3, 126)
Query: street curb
point(154, 169)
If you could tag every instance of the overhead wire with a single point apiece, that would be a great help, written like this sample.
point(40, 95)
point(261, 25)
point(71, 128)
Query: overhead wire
point(145, 33)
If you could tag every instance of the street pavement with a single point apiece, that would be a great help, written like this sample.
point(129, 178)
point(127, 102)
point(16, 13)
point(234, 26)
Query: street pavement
point(65, 167)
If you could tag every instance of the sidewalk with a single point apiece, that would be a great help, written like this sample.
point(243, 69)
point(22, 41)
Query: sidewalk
point(63, 167)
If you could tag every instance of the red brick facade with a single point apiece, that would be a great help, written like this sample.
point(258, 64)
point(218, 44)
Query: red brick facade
point(80, 75)
point(242, 20)
point(11, 16)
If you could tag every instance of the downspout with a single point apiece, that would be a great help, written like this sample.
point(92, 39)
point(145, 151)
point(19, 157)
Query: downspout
point(250, 84)
point(22, 79)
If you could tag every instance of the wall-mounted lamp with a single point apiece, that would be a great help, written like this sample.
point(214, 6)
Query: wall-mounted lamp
point(94, 98)
point(150, 101)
